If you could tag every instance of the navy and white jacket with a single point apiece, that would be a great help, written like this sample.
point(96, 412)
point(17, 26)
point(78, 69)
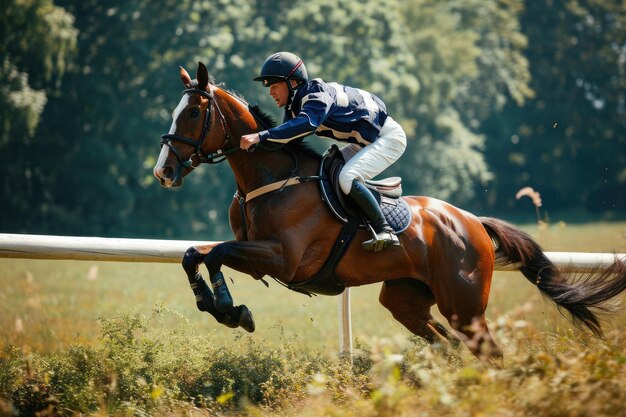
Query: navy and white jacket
point(331, 110)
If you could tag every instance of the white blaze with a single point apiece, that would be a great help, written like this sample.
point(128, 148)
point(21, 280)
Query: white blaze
point(181, 106)
point(165, 150)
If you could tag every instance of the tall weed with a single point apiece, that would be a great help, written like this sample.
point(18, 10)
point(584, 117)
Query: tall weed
point(141, 367)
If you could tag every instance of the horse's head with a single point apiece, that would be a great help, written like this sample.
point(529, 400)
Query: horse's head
point(198, 133)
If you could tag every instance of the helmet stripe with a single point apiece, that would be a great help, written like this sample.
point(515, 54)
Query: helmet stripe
point(294, 69)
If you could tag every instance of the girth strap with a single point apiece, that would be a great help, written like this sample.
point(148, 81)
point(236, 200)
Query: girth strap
point(242, 214)
point(326, 281)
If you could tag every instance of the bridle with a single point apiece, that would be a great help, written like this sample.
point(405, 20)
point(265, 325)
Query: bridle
point(199, 156)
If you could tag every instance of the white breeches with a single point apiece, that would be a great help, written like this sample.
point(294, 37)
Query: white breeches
point(374, 158)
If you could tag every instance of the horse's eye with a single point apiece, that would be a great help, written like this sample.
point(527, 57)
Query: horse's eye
point(195, 112)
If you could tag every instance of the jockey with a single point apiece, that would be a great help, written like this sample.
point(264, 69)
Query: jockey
point(338, 112)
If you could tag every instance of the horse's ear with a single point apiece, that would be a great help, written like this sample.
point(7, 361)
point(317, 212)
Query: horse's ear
point(184, 76)
point(202, 75)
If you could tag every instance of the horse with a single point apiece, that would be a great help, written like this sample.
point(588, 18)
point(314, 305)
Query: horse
point(284, 230)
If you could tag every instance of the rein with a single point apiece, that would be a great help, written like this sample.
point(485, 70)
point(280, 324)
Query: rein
point(199, 156)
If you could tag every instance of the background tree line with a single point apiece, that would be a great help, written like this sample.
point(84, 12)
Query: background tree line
point(494, 95)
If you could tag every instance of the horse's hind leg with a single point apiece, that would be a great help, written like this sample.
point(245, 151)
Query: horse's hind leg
point(463, 302)
point(205, 299)
point(409, 301)
point(477, 337)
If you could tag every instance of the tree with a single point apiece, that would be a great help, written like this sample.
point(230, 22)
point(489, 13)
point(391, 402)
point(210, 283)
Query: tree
point(99, 138)
point(441, 67)
point(568, 143)
point(468, 57)
point(37, 39)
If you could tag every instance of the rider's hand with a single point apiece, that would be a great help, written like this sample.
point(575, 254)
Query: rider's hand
point(248, 141)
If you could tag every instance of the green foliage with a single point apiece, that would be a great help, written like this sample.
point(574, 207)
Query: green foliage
point(468, 57)
point(143, 368)
point(87, 88)
point(81, 372)
point(37, 43)
point(37, 40)
point(21, 105)
point(568, 142)
point(12, 368)
point(142, 364)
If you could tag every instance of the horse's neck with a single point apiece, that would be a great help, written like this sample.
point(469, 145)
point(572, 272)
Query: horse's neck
point(262, 167)
point(252, 169)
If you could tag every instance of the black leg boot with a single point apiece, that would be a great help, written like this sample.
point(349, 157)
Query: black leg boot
point(383, 236)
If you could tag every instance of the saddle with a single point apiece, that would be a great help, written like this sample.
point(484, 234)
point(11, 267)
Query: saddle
point(387, 192)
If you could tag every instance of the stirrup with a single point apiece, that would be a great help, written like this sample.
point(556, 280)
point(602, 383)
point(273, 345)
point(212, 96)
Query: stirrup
point(380, 241)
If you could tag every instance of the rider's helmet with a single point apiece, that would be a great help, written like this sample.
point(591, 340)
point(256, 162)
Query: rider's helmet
point(282, 66)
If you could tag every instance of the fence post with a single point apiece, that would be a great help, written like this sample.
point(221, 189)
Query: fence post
point(345, 327)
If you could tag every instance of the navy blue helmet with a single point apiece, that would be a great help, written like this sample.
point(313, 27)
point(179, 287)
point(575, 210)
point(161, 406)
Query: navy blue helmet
point(282, 66)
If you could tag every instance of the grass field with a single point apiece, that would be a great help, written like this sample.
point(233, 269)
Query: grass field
point(52, 307)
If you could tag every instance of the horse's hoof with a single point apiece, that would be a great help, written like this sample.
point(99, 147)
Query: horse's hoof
point(246, 321)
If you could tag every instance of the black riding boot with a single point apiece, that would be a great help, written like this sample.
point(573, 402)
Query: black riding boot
point(383, 236)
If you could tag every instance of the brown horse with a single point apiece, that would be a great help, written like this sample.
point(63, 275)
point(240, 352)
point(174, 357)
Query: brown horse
point(285, 231)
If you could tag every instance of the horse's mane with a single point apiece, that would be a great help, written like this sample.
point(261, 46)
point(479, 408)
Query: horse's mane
point(266, 120)
point(298, 146)
point(305, 147)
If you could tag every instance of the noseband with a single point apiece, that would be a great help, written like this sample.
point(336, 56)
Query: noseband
point(199, 156)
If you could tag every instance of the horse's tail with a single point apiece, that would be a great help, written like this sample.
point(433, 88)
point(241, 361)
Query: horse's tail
point(578, 294)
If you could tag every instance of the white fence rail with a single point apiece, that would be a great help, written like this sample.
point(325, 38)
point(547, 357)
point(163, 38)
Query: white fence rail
point(93, 248)
point(171, 251)
point(151, 250)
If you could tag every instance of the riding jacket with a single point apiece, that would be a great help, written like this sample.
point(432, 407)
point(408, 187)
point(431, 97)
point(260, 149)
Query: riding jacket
point(331, 110)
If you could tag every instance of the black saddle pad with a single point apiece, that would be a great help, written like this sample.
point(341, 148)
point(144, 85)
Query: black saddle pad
point(396, 210)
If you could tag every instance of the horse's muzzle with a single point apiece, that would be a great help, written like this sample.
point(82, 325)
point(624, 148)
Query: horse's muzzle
point(168, 177)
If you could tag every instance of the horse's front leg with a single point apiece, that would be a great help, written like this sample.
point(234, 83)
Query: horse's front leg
point(205, 300)
point(255, 258)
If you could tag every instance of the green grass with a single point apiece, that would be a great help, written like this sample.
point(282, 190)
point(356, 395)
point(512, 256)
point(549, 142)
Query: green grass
point(52, 308)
